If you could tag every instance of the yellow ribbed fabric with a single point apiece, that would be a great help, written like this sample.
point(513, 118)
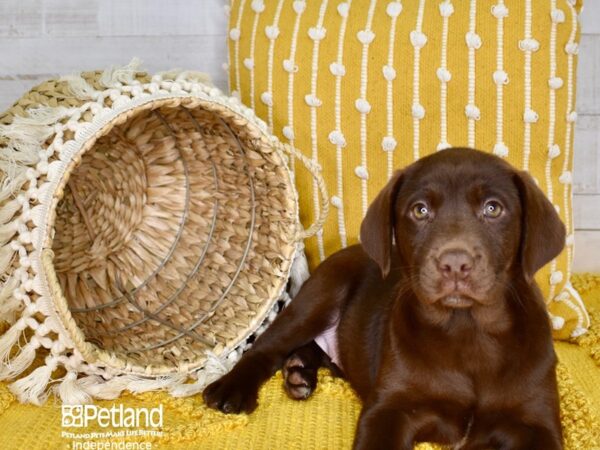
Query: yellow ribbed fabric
point(326, 421)
point(368, 86)
point(590, 284)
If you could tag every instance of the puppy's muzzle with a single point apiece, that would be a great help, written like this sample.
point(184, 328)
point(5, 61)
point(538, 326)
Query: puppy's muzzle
point(455, 264)
point(456, 267)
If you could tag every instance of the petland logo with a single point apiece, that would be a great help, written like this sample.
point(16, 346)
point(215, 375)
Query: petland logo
point(79, 416)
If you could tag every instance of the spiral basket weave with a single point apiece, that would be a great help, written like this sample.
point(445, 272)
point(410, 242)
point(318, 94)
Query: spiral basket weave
point(148, 227)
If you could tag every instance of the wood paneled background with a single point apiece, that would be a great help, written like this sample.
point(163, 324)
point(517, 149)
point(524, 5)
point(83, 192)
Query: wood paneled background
point(40, 39)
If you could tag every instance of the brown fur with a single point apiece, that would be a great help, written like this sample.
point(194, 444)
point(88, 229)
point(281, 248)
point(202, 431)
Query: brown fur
point(444, 336)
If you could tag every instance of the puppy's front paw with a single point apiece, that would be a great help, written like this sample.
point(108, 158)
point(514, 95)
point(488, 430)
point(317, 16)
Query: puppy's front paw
point(231, 395)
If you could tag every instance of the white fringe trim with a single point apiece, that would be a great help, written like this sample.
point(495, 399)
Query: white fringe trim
point(115, 76)
point(7, 342)
point(32, 388)
point(72, 391)
point(79, 88)
point(9, 304)
point(16, 365)
point(6, 257)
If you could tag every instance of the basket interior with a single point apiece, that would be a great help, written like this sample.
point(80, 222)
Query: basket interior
point(174, 235)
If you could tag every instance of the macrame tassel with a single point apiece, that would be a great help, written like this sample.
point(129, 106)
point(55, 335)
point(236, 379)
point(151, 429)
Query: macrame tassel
point(7, 289)
point(32, 388)
point(9, 305)
point(7, 342)
point(21, 361)
point(79, 88)
point(24, 153)
point(299, 273)
point(33, 130)
point(111, 389)
point(187, 389)
point(97, 387)
point(88, 381)
point(214, 368)
point(43, 115)
point(186, 75)
point(114, 75)
point(139, 384)
point(15, 179)
point(6, 257)
point(9, 310)
point(8, 211)
point(7, 231)
point(71, 391)
point(195, 77)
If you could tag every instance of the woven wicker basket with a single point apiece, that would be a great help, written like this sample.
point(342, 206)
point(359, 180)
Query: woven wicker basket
point(148, 229)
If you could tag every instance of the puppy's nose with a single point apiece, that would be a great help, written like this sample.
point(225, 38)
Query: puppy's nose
point(455, 264)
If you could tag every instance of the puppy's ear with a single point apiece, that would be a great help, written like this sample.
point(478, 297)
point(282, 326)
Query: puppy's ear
point(542, 232)
point(377, 227)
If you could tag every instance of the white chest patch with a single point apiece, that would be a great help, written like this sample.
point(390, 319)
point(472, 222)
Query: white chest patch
point(328, 342)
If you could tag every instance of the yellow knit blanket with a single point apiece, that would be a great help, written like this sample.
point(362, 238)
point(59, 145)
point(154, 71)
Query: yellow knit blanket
point(325, 421)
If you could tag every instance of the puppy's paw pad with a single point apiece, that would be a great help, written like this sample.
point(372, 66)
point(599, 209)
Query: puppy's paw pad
point(298, 392)
point(295, 377)
point(300, 382)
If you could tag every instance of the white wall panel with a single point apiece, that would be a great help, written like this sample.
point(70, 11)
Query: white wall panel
point(29, 56)
point(21, 18)
point(588, 76)
point(587, 155)
point(161, 18)
point(587, 246)
point(101, 18)
point(590, 17)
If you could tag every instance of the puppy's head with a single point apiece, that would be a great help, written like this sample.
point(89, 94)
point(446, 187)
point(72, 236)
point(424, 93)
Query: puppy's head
point(464, 221)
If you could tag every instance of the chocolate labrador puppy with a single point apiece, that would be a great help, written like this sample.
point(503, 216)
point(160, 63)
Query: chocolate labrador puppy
point(444, 335)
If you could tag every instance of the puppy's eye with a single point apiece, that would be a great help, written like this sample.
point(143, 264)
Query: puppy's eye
point(492, 209)
point(420, 211)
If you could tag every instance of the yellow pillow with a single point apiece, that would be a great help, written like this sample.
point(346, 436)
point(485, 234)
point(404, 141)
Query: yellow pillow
point(368, 86)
